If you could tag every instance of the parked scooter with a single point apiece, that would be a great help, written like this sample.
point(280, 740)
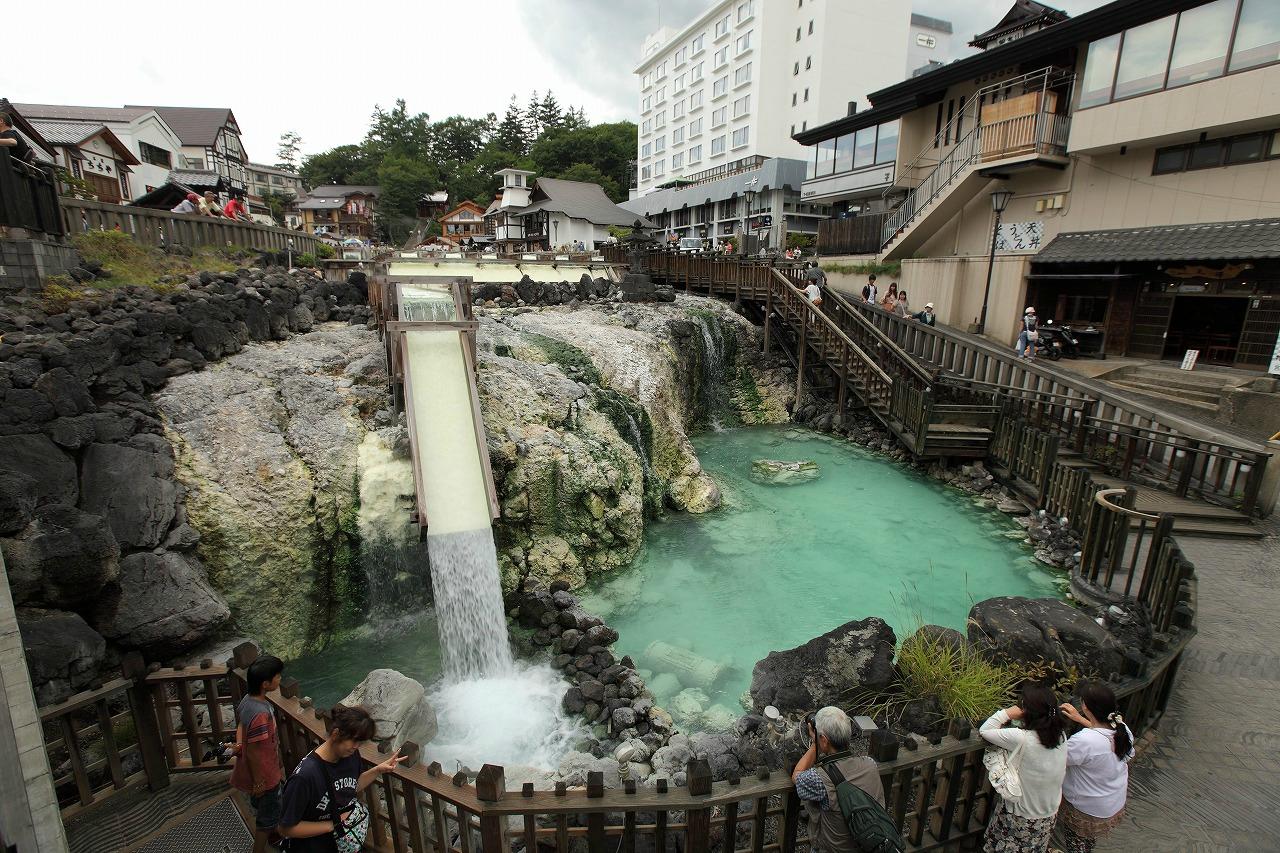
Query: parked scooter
point(1057, 341)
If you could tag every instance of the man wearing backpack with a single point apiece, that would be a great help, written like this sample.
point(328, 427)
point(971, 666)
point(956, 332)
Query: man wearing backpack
point(841, 792)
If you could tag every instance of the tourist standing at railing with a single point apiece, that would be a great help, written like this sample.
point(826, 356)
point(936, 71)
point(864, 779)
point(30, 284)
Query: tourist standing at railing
point(235, 209)
point(209, 205)
point(869, 290)
point(890, 297)
point(190, 204)
point(258, 771)
point(9, 138)
point(901, 308)
point(1038, 759)
point(830, 733)
point(1097, 780)
point(927, 316)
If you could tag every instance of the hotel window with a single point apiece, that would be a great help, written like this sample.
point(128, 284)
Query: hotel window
point(659, 168)
point(806, 94)
point(677, 160)
point(645, 173)
point(742, 106)
point(678, 85)
point(864, 147)
point(695, 73)
point(742, 75)
point(797, 34)
point(682, 56)
point(745, 10)
point(695, 127)
point(646, 104)
point(722, 26)
point(695, 100)
point(647, 127)
point(646, 149)
point(744, 42)
point(1200, 49)
point(1099, 71)
point(660, 145)
point(660, 120)
point(887, 142)
point(741, 137)
point(825, 158)
point(721, 57)
point(808, 63)
point(794, 98)
point(677, 136)
point(720, 87)
point(717, 146)
point(1143, 58)
point(811, 28)
point(647, 80)
point(660, 95)
point(660, 71)
point(844, 153)
point(796, 70)
point(698, 44)
point(695, 154)
point(1257, 35)
point(718, 116)
point(677, 109)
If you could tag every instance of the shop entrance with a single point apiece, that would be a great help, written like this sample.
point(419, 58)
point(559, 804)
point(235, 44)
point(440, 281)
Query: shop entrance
point(1210, 324)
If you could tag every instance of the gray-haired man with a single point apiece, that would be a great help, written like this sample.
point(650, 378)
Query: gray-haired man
point(829, 744)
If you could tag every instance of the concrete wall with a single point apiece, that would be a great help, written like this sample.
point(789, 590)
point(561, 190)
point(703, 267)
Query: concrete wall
point(25, 264)
point(29, 813)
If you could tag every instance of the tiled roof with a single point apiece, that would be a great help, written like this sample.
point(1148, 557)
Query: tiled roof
point(579, 200)
point(1208, 241)
point(344, 190)
point(58, 112)
point(193, 125)
point(202, 178)
point(65, 132)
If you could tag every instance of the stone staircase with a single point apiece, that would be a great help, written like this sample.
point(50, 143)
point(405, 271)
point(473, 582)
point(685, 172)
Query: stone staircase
point(1201, 389)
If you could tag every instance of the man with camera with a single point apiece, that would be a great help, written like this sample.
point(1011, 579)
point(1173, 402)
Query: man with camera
point(821, 770)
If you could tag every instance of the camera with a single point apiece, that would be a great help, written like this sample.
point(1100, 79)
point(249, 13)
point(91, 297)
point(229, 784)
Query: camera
point(810, 720)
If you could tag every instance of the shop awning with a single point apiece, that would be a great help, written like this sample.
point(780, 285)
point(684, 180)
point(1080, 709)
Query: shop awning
point(1245, 239)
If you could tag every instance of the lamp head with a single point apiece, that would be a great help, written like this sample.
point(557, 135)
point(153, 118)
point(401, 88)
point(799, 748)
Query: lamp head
point(1000, 200)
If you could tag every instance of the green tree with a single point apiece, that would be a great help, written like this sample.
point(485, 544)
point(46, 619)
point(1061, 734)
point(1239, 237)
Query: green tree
point(510, 135)
point(397, 132)
point(590, 174)
point(403, 179)
point(346, 164)
point(549, 116)
point(607, 147)
point(458, 139)
point(288, 150)
point(533, 117)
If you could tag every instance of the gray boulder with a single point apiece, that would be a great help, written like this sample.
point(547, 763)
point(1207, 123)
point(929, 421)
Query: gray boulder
point(133, 489)
point(64, 655)
point(61, 559)
point(857, 656)
point(17, 501)
point(575, 766)
point(779, 472)
point(398, 705)
point(39, 458)
point(1034, 630)
point(160, 603)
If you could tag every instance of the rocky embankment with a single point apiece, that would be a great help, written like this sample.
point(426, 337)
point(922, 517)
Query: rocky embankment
point(100, 552)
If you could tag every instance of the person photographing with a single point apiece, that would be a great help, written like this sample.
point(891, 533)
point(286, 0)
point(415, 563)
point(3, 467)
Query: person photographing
point(842, 793)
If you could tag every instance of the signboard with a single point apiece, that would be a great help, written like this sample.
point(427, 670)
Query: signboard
point(1020, 236)
point(1189, 360)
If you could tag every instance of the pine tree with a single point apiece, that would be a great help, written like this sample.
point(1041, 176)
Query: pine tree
point(511, 132)
point(287, 151)
point(533, 117)
point(549, 113)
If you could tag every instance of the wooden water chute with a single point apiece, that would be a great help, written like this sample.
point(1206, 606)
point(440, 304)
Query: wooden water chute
point(402, 312)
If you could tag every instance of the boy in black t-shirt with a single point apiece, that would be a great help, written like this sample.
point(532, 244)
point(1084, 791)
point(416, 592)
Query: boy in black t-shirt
point(321, 792)
point(10, 139)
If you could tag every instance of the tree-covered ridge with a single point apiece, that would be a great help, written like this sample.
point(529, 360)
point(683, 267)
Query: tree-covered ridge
point(408, 155)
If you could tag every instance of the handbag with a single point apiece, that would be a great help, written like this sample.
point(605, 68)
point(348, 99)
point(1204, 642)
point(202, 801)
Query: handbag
point(348, 834)
point(1002, 770)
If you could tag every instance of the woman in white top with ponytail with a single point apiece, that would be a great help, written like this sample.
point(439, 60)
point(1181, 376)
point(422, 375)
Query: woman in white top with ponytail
point(1037, 756)
point(1097, 780)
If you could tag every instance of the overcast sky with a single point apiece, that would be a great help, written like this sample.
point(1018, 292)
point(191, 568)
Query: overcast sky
point(319, 68)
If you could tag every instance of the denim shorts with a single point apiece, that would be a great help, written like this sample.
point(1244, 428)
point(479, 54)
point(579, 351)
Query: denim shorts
point(266, 808)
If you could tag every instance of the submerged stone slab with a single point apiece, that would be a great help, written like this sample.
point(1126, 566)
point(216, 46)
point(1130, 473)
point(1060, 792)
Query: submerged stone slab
point(778, 472)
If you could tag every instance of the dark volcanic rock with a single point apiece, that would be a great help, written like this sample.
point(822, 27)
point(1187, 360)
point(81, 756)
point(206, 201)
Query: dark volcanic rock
point(133, 489)
point(37, 457)
point(1032, 630)
point(17, 501)
point(63, 653)
point(161, 604)
point(61, 559)
point(857, 655)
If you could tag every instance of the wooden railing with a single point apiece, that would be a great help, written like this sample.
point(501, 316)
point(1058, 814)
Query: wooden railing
point(1151, 447)
point(937, 793)
point(28, 195)
point(162, 228)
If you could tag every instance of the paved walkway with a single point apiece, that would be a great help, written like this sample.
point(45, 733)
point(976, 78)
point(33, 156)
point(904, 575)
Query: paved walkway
point(1211, 781)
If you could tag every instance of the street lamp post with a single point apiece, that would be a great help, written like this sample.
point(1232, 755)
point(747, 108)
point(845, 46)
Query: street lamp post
point(999, 201)
point(749, 196)
point(290, 243)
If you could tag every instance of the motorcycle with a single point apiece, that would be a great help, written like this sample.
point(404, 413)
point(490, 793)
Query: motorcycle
point(1057, 341)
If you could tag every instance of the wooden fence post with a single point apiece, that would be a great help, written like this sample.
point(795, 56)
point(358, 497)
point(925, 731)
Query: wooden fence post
point(1047, 460)
point(143, 708)
point(698, 837)
point(490, 787)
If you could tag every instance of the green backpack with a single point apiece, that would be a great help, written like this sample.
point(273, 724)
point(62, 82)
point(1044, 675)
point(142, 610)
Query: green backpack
point(869, 824)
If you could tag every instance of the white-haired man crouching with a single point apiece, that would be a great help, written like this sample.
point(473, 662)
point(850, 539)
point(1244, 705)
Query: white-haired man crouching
point(830, 734)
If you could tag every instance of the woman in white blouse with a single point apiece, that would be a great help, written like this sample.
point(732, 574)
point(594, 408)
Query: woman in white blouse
point(1097, 780)
point(1036, 755)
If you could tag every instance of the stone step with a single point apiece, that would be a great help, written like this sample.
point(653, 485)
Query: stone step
point(1222, 529)
point(1208, 401)
point(1189, 380)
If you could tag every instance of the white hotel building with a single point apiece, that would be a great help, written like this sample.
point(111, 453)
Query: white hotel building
point(739, 80)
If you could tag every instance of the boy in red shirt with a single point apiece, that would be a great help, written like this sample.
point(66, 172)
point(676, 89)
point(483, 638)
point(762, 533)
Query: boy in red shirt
point(235, 209)
point(258, 771)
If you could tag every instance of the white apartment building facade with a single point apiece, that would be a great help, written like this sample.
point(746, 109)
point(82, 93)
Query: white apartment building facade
point(744, 76)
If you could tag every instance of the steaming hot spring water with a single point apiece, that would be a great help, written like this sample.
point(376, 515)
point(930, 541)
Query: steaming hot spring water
point(778, 564)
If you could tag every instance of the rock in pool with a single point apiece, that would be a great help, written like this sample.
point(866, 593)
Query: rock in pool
point(778, 472)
